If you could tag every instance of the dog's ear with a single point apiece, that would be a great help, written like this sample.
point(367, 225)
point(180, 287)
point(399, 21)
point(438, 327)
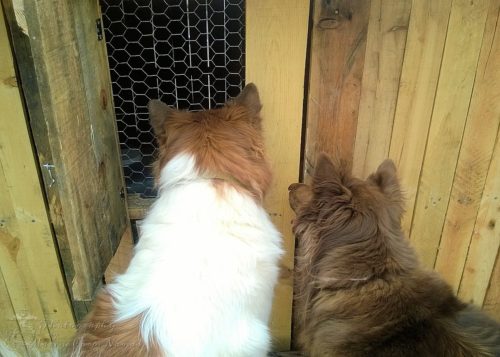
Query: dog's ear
point(386, 179)
point(249, 98)
point(159, 112)
point(299, 195)
point(325, 169)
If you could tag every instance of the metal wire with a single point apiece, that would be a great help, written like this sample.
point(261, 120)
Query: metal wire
point(188, 53)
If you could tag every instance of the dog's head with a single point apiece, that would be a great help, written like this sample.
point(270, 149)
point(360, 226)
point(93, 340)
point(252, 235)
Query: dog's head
point(225, 141)
point(348, 223)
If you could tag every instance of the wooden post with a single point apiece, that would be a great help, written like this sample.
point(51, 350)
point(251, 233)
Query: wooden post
point(66, 82)
point(336, 69)
point(35, 310)
point(276, 38)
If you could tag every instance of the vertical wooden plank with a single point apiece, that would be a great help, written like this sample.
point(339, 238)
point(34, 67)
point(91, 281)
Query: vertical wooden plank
point(492, 299)
point(465, 30)
point(97, 83)
point(475, 156)
point(485, 243)
point(10, 331)
point(419, 77)
point(336, 68)
point(120, 261)
point(66, 84)
point(276, 40)
point(30, 274)
point(385, 48)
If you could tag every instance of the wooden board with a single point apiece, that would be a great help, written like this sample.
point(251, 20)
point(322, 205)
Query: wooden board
point(492, 299)
point(475, 156)
point(120, 261)
point(65, 80)
point(336, 68)
point(385, 46)
point(485, 243)
point(456, 79)
point(276, 37)
point(34, 303)
point(418, 83)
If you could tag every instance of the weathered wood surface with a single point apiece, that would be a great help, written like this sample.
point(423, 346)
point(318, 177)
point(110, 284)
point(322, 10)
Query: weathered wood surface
point(35, 309)
point(65, 80)
point(456, 80)
point(334, 87)
point(387, 29)
point(120, 261)
point(417, 90)
point(276, 38)
point(474, 160)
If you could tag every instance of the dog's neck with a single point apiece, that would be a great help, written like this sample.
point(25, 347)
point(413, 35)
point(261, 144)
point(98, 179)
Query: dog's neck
point(231, 180)
point(182, 170)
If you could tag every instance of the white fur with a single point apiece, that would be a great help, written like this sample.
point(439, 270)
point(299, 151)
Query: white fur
point(204, 270)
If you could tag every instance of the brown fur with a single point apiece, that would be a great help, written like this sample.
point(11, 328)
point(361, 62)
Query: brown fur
point(226, 141)
point(360, 289)
point(98, 335)
point(228, 148)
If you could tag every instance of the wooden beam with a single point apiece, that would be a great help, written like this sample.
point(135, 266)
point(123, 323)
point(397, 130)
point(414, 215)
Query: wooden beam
point(276, 38)
point(385, 48)
point(456, 79)
point(336, 68)
point(65, 80)
point(34, 303)
point(485, 244)
point(418, 83)
point(492, 299)
point(475, 156)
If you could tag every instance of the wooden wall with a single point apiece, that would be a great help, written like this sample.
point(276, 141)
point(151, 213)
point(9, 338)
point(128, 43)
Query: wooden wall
point(35, 309)
point(276, 41)
point(419, 82)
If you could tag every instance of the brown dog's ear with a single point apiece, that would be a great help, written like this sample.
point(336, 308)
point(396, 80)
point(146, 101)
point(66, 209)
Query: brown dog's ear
point(325, 168)
point(299, 195)
point(249, 98)
point(158, 113)
point(386, 178)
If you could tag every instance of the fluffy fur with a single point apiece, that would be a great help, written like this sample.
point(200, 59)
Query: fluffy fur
point(202, 276)
point(360, 289)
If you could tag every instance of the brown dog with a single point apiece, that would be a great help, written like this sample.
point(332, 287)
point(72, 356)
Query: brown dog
point(360, 289)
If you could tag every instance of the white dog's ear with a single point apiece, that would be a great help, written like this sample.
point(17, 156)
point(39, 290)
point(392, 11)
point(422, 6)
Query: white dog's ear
point(159, 112)
point(249, 98)
point(299, 195)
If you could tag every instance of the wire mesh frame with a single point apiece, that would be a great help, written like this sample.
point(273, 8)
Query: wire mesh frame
point(188, 53)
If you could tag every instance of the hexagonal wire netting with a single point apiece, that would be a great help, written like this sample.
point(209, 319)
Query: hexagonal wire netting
point(188, 53)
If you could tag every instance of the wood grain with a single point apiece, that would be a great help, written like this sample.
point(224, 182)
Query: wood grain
point(276, 38)
point(418, 83)
point(475, 155)
point(492, 299)
point(336, 69)
point(456, 79)
point(34, 303)
point(485, 243)
point(385, 47)
point(62, 69)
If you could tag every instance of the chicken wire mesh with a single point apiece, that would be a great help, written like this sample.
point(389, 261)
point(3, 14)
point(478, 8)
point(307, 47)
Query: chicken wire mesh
point(188, 53)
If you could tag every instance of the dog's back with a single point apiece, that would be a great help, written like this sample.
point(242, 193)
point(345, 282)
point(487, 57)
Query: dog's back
point(202, 276)
point(360, 289)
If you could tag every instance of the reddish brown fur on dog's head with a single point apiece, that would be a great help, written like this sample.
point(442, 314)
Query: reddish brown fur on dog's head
point(226, 141)
point(359, 288)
